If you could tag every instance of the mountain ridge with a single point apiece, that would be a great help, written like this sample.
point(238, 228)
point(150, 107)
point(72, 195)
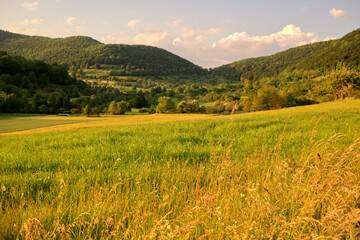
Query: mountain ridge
point(84, 51)
point(322, 56)
point(141, 60)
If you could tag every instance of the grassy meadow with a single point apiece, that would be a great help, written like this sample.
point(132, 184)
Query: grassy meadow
point(285, 174)
point(10, 123)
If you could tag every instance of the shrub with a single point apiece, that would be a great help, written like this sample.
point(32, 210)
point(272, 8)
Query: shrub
point(61, 110)
point(43, 109)
point(217, 107)
point(143, 110)
point(95, 111)
point(165, 105)
point(75, 111)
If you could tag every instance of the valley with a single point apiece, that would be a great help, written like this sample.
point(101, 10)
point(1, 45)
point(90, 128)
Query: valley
point(131, 141)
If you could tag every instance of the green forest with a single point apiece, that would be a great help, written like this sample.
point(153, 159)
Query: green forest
point(85, 52)
point(321, 57)
point(81, 75)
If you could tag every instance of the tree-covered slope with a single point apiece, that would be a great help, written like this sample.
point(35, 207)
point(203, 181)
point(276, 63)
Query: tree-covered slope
point(345, 50)
point(22, 79)
point(85, 51)
point(321, 55)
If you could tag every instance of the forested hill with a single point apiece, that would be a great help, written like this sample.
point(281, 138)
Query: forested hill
point(345, 50)
point(86, 52)
point(320, 56)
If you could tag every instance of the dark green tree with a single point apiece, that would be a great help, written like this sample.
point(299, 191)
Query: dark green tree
point(43, 80)
point(139, 101)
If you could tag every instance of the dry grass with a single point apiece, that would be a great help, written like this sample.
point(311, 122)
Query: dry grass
point(311, 198)
point(253, 176)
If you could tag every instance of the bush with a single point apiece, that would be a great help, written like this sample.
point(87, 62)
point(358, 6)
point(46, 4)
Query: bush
point(52, 110)
point(181, 107)
point(95, 111)
point(91, 111)
point(43, 109)
point(61, 110)
point(118, 108)
point(75, 111)
point(165, 105)
point(189, 107)
point(230, 107)
point(217, 107)
point(152, 110)
point(87, 111)
point(143, 110)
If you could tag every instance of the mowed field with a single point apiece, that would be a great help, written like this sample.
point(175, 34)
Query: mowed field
point(15, 124)
point(10, 123)
point(288, 174)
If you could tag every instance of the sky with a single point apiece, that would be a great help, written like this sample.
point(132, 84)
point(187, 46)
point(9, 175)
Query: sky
point(208, 33)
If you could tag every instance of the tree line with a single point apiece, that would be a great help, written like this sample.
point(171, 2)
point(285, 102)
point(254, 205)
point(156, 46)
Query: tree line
point(33, 86)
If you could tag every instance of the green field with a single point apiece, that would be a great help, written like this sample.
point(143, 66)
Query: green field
point(286, 174)
point(21, 122)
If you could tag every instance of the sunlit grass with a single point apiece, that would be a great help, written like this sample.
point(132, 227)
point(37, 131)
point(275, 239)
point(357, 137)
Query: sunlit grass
point(288, 174)
point(16, 123)
point(45, 124)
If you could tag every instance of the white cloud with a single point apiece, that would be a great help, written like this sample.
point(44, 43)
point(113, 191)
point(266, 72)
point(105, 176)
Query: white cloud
point(156, 38)
point(70, 20)
point(32, 6)
point(133, 23)
point(338, 13)
point(176, 41)
point(191, 35)
point(26, 22)
point(289, 36)
point(195, 46)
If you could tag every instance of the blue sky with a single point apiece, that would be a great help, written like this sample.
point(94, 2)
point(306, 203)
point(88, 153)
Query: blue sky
point(207, 32)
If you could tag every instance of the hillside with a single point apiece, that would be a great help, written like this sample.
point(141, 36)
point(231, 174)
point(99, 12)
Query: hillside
point(47, 86)
point(86, 52)
point(323, 56)
point(318, 72)
point(345, 50)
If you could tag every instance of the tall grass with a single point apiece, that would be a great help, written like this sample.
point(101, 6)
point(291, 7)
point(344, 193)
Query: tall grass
point(288, 174)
